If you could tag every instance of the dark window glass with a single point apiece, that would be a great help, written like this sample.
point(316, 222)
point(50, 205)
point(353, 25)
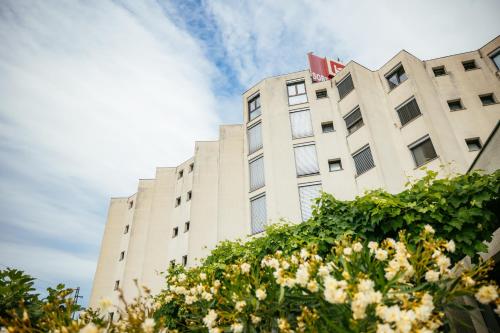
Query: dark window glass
point(473, 144)
point(175, 232)
point(363, 160)
point(130, 204)
point(487, 99)
point(181, 174)
point(184, 260)
point(327, 127)
point(191, 167)
point(117, 284)
point(177, 201)
point(439, 71)
point(189, 196)
point(321, 93)
point(254, 107)
point(126, 229)
point(495, 57)
point(353, 121)
point(345, 86)
point(335, 165)
point(186, 226)
point(423, 151)
point(469, 64)
point(122, 255)
point(455, 105)
point(396, 77)
point(408, 112)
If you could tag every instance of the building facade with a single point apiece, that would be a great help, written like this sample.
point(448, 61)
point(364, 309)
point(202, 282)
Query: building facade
point(361, 130)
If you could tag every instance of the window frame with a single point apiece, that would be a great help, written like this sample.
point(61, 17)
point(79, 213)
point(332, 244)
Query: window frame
point(255, 159)
point(189, 196)
point(327, 123)
point(442, 67)
point(471, 61)
point(493, 98)
point(348, 76)
point(359, 151)
point(457, 100)
point(393, 72)
point(295, 83)
point(122, 256)
point(117, 285)
point(175, 232)
point(306, 144)
point(187, 225)
point(126, 230)
point(178, 201)
point(180, 174)
point(252, 199)
point(418, 143)
point(130, 204)
point(495, 53)
point(191, 167)
point(302, 185)
point(349, 132)
point(290, 115)
point(320, 95)
point(184, 260)
point(476, 139)
point(261, 146)
point(254, 98)
point(332, 161)
point(402, 105)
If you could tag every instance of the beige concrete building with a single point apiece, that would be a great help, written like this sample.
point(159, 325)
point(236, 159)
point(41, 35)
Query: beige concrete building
point(361, 130)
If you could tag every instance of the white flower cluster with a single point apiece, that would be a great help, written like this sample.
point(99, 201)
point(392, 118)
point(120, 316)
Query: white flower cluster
point(365, 296)
point(399, 263)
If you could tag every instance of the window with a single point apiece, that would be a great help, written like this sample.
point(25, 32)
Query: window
point(175, 232)
point(354, 120)
point(487, 99)
point(130, 204)
point(258, 213)
point(327, 127)
point(184, 260)
point(473, 144)
point(307, 194)
point(306, 160)
point(254, 138)
point(335, 165)
point(256, 170)
point(191, 167)
point(126, 229)
point(186, 226)
point(408, 111)
point(396, 77)
point(180, 174)
point(363, 160)
point(455, 105)
point(296, 92)
point(117, 284)
point(345, 86)
point(172, 263)
point(122, 255)
point(495, 57)
point(321, 93)
point(439, 71)
point(177, 201)
point(469, 64)
point(189, 195)
point(423, 151)
point(301, 124)
point(254, 107)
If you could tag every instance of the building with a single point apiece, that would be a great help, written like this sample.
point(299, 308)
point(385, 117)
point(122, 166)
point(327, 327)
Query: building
point(361, 130)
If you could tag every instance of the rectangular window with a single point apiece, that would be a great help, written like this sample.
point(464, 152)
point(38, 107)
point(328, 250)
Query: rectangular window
point(256, 170)
point(327, 127)
point(321, 93)
point(345, 86)
point(334, 165)
point(455, 105)
point(307, 194)
point(439, 71)
point(126, 229)
point(473, 144)
point(354, 120)
point(172, 263)
point(423, 151)
point(184, 260)
point(189, 195)
point(122, 255)
point(296, 93)
point(191, 167)
point(177, 201)
point(487, 99)
point(301, 124)
point(306, 160)
point(130, 204)
point(258, 214)
point(363, 160)
point(186, 226)
point(495, 57)
point(180, 174)
point(254, 138)
point(469, 64)
point(254, 107)
point(117, 284)
point(408, 111)
point(396, 77)
point(175, 232)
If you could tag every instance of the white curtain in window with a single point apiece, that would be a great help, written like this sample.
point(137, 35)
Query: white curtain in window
point(301, 124)
point(254, 138)
point(306, 160)
point(307, 195)
point(257, 179)
point(258, 214)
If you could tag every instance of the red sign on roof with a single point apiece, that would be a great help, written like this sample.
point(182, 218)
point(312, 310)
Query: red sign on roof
point(323, 69)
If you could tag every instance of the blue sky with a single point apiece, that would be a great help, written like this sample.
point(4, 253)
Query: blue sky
point(95, 94)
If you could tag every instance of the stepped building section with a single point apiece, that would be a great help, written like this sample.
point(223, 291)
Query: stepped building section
point(361, 130)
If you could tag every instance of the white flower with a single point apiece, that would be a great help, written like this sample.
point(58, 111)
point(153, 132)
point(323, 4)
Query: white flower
point(335, 290)
point(357, 247)
point(240, 305)
point(304, 253)
point(203, 276)
point(380, 254)
point(237, 327)
point(443, 262)
point(255, 319)
point(347, 251)
point(285, 264)
point(384, 328)
point(450, 246)
point(312, 286)
point(302, 276)
point(468, 281)
point(190, 299)
point(210, 319)
point(214, 330)
point(323, 271)
point(105, 305)
point(372, 246)
point(216, 283)
point(245, 268)
point(181, 277)
point(431, 276)
point(207, 296)
point(428, 229)
point(365, 285)
point(148, 325)
point(89, 328)
point(260, 294)
point(487, 294)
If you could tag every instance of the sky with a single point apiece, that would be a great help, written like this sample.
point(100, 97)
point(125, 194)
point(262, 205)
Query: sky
point(96, 94)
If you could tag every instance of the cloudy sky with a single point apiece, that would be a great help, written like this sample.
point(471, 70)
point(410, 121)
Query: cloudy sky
point(96, 94)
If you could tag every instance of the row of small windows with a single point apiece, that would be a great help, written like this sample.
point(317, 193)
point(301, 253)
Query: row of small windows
point(486, 99)
point(178, 200)
point(175, 231)
point(469, 64)
point(180, 174)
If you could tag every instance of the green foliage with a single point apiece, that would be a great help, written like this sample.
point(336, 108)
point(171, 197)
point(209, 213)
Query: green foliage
point(464, 208)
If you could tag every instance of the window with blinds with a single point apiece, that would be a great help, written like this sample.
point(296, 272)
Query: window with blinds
point(307, 194)
point(301, 124)
point(408, 111)
point(256, 168)
point(423, 151)
point(258, 214)
point(306, 160)
point(354, 120)
point(363, 160)
point(345, 86)
point(396, 77)
point(254, 138)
